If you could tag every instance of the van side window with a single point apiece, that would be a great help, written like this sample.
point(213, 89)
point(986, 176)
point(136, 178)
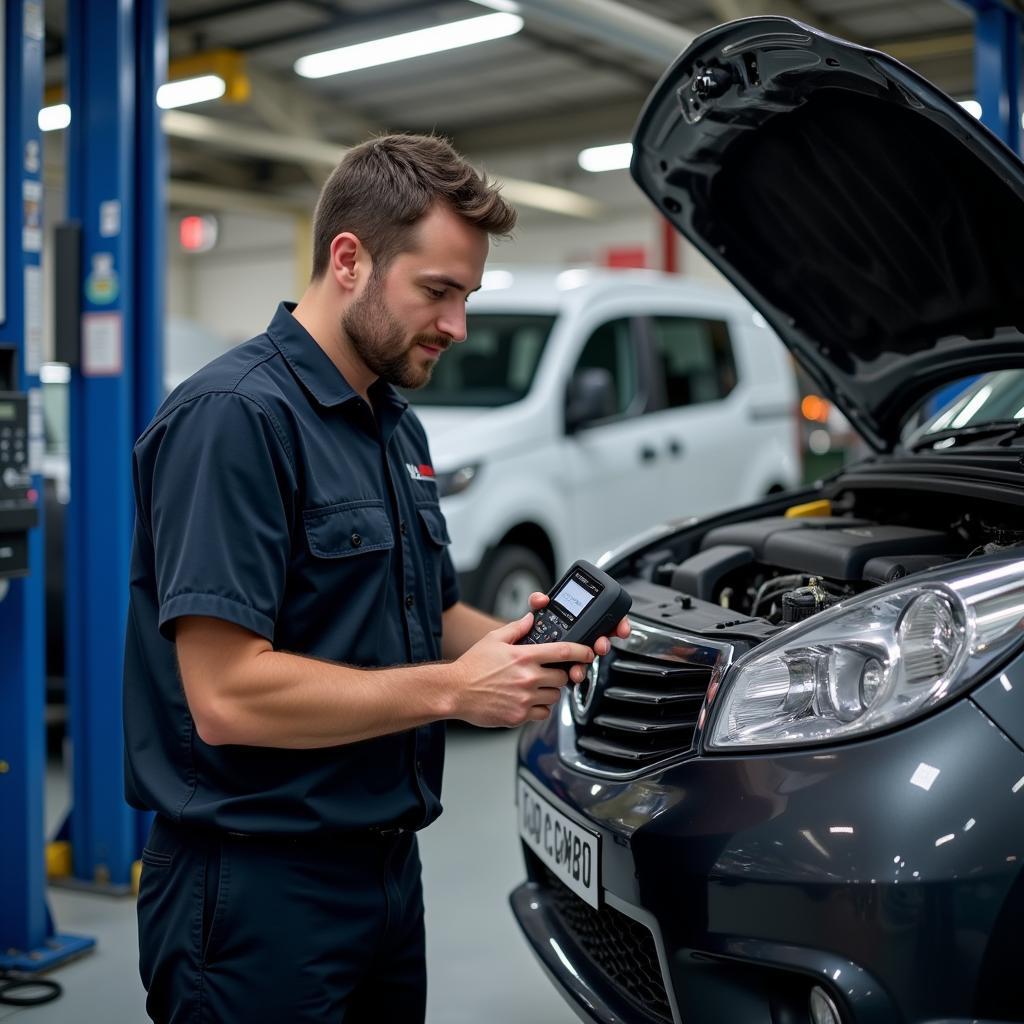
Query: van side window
point(611, 348)
point(696, 358)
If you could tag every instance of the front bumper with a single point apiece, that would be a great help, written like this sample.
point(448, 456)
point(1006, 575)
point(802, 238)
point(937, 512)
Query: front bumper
point(887, 871)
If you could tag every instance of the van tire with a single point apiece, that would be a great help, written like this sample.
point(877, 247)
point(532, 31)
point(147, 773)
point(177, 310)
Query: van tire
point(510, 575)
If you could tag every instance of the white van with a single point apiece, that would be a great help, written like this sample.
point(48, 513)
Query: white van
point(587, 405)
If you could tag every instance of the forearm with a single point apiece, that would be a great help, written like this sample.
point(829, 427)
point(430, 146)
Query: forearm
point(463, 626)
point(285, 700)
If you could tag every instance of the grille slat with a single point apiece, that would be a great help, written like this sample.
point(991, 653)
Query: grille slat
point(640, 725)
point(618, 752)
point(662, 670)
point(635, 696)
point(622, 949)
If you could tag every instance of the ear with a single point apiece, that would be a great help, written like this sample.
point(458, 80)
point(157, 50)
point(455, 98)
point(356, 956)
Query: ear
point(349, 260)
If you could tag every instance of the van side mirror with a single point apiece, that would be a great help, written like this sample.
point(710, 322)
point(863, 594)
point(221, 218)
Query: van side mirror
point(591, 396)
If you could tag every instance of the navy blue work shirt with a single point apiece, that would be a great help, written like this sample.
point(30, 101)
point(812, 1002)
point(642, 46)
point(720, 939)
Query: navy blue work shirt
point(269, 494)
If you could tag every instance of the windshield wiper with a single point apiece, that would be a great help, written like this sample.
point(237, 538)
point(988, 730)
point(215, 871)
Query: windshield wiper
point(1003, 430)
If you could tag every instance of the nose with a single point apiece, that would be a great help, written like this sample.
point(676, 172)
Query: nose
point(452, 321)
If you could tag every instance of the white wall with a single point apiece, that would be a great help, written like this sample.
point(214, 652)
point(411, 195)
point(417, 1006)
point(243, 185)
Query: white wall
point(234, 289)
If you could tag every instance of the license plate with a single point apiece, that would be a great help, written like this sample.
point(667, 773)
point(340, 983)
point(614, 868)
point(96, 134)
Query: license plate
point(569, 850)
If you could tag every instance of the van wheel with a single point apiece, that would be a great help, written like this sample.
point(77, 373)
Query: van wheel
point(512, 574)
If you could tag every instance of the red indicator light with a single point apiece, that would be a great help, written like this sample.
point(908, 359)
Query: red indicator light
point(197, 233)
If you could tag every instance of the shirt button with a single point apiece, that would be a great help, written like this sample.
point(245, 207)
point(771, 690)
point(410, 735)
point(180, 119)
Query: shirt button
point(356, 540)
point(419, 767)
point(408, 601)
point(404, 529)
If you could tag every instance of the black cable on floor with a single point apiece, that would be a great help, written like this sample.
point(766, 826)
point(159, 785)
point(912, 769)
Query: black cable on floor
point(18, 989)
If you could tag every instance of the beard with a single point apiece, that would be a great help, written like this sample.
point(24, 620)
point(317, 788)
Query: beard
point(382, 343)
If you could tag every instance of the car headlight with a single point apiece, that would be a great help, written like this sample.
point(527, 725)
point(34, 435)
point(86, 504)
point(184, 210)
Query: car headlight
point(872, 662)
point(456, 481)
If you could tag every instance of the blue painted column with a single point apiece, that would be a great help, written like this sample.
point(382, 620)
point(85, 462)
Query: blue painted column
point(115, 159)
point(998, 69)
point(22, 679)
point(151, 236)
point(151, 212)
point(27, 939)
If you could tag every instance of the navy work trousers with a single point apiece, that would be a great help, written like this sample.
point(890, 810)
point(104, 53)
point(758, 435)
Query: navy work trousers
point(269, 930)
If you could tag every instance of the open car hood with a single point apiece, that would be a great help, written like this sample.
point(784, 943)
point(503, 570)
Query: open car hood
point(876, 224)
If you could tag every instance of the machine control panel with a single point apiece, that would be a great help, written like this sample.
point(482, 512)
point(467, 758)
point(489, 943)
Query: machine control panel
point(14, 469)
point(18, 504)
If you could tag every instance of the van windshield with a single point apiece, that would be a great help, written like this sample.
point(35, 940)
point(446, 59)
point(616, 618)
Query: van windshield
point(494, 366)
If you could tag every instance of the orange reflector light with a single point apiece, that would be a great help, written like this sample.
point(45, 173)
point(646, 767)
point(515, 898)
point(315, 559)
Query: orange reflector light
point(814, 408)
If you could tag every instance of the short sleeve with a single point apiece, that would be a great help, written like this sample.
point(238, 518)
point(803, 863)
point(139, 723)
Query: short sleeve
point(215, 489)
point(449, 581)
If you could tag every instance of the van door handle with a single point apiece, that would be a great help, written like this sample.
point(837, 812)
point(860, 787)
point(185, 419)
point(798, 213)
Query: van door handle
point(647, 454)
point(676, 448)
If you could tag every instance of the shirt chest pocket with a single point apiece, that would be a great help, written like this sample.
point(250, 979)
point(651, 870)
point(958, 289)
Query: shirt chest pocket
point(434, 532)
point(434, 526)
point(347, 530)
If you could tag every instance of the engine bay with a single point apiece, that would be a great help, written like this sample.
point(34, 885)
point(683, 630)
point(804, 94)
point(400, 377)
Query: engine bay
point(744, 579)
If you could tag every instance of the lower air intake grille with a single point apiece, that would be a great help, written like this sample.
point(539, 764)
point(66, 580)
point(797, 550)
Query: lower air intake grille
point(620, 948)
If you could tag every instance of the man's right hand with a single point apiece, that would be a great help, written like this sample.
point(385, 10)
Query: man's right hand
point(497, 683)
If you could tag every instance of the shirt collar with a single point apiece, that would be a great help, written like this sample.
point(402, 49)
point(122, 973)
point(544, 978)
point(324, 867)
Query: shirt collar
point(311, 364)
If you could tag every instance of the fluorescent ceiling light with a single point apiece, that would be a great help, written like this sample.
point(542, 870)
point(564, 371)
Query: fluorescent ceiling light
point(972, 107)
point(52, 119)
point(408, 45)
point(190, 90)
point(509, 6)
point(606, 158)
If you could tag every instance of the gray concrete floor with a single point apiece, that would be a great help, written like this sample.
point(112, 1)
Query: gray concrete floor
point(478, 966)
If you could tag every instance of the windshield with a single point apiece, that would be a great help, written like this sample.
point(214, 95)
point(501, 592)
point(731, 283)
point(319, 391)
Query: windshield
point(494, 366)
point(996, 398)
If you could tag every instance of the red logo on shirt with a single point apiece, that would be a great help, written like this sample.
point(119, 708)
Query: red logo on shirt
point(420, 472)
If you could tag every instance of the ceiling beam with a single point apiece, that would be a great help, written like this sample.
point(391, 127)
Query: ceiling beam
point(284, 107)
point(342, 22)
point(258, 142)
point(729, 10)
point(590, 124)
point(205, 15)
point(297, 149)
point(949, 44)
point(561, 43)
point(200, 196)
point(616, 25)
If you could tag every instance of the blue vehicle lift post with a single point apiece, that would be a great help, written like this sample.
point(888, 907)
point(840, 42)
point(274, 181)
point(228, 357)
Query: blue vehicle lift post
point(116, 58)
point(998, 69)
point(28, 939)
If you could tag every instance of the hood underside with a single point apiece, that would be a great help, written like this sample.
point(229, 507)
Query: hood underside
point(875, 223)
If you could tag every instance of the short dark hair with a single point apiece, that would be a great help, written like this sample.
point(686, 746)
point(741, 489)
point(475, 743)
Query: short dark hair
point(384, 186)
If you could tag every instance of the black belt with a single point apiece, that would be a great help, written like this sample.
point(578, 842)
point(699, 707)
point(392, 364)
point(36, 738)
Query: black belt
point(375, 834)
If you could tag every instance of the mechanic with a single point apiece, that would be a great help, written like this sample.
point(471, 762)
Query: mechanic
point(295, 639)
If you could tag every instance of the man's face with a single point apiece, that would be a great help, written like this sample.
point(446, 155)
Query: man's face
point(408, 315)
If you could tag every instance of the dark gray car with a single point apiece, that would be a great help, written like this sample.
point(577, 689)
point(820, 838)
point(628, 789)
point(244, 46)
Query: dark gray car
point(796, 793)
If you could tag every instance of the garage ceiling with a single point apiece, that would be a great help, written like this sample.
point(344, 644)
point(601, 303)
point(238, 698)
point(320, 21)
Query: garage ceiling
point(524, 104)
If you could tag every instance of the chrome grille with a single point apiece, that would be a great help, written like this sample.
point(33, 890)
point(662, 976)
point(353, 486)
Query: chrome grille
point(648, 694)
